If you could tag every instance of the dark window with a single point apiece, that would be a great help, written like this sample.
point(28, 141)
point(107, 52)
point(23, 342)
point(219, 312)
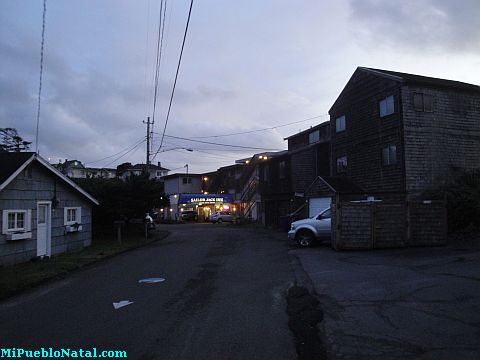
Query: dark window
point(342, 164)
point(422, 102)
point(340, 124)
point(314, 137)
point(387, 106)
point(389, 155)
point(281, 169)
point(187, 180)
point(326, 215)
point(27, 173)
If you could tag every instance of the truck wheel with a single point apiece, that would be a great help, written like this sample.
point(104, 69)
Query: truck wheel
point(305, 238)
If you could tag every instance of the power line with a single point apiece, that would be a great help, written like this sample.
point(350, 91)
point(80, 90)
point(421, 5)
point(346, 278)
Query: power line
point(161, 29)
point(220, 144)
point(41, 73)
point(204, 151)
point(121, 151)
point(258, 130)
point(176, 77)
point(126, 153)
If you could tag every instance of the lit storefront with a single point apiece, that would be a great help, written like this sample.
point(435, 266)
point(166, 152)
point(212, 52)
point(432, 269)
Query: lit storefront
point(205, 204)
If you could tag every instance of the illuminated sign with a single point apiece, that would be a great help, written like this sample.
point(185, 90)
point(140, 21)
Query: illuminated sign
point(205, 199)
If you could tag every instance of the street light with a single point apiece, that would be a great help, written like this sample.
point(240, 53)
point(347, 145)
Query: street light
point(175, 148)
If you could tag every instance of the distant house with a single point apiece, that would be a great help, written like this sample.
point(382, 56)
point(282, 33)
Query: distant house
point(74, 169)
point(103, 173)
point(155, 172)
point(397, 133)
point(43, 212)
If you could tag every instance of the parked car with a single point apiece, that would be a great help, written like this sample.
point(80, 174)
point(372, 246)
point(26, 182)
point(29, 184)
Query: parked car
point(189, 215)
point(221, 216)
point(306, 231)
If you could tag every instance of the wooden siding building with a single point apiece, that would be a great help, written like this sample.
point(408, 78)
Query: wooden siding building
point(397, 133)
point(43, 212)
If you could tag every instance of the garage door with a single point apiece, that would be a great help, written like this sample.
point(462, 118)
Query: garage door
point(318, 204)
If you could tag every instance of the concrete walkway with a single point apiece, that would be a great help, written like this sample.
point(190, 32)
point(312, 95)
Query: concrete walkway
point(420, 303)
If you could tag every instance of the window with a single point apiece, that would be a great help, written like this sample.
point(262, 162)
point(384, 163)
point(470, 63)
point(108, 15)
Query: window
point(422, 102)
point(281, 169)
point(187, 180)
point(16, 221)
point(326, 215)
point(72, 215)
point(28, 173)
point(340, 124)
point(314, 137)
point(342, 164)
point(387, 106)
point(389, 155)
point(159, 173)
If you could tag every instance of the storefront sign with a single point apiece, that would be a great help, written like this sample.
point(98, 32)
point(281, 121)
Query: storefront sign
point(205, 199)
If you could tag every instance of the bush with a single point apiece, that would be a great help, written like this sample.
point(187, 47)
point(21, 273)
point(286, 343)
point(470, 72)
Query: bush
point(122, 200)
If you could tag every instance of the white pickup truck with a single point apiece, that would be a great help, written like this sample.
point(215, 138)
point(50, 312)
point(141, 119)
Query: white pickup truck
point(306, 231)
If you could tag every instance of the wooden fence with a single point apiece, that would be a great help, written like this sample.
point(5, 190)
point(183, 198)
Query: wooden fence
point(368, 225)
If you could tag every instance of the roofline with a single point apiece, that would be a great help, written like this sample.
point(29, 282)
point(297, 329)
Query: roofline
point(182, 174)
point(313, 128)
point(65, 178)
point(380, 73)
point(54, 171)
point(17, 172)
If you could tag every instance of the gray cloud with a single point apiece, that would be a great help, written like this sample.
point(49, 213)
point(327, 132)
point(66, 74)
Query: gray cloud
point(429, 25)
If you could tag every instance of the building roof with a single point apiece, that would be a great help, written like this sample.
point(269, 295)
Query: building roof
point(404, 78)
point(342, 185)
point(150, 167)
point(313, 128)
point(171, 176)
point(423, 80)
point(12, 164)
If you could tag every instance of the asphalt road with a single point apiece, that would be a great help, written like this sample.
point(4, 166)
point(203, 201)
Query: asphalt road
point(223, 298)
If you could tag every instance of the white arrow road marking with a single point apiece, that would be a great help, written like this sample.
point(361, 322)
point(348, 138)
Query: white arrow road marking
point(151, 280)
point(118, 305)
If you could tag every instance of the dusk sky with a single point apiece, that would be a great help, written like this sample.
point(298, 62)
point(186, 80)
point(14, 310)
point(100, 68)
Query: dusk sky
point(247, 65)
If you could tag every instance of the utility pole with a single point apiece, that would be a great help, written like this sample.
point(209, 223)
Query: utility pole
point(148, 143)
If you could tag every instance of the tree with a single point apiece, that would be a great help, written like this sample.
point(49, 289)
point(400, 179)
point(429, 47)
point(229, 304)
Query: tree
point(11, 141)
point(122, 200)
point(123, 167)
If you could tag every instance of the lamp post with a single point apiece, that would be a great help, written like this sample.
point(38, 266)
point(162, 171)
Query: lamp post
point(175, 148)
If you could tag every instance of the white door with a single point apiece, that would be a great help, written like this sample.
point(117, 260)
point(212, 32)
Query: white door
point(316, 205)
point(43, 229)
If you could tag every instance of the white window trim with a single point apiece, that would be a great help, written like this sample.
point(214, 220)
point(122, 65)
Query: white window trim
point(27, 222)
point(78, 215)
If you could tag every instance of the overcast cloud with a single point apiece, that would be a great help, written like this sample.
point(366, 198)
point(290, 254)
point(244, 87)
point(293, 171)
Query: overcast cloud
point(247, 65)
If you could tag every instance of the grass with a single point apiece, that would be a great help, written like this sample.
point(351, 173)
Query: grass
point(23, 276)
